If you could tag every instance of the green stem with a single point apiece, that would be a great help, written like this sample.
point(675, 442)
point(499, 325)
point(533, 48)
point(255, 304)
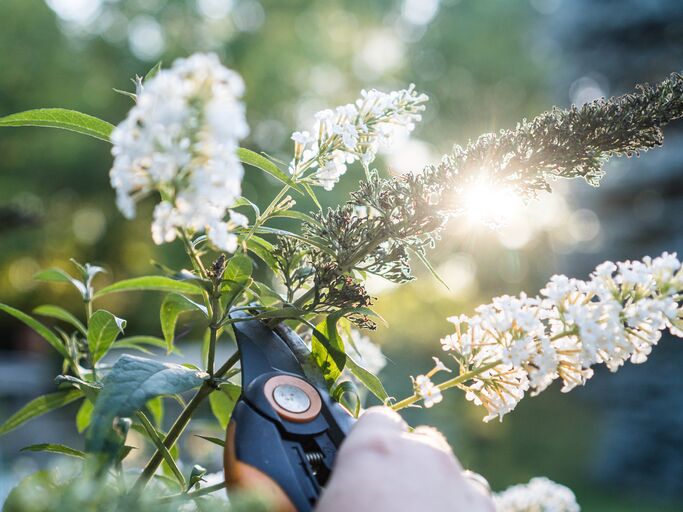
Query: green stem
point(261, 219)
point(455, 381)
point(154, 435)
point(181, 423)
point(464, 377)
point(193, 254)
point(194, 494)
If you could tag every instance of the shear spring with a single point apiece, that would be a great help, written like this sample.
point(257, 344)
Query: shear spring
point(315, 459)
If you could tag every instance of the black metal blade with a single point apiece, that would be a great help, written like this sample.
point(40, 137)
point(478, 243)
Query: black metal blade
point(261, 349)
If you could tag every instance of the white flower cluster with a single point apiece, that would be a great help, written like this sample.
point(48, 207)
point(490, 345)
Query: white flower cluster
point(516, 344)
point(180, 140)
point(354, 132)
point(539, 495)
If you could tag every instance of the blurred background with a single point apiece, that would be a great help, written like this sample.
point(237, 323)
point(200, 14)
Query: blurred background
point(485, 64)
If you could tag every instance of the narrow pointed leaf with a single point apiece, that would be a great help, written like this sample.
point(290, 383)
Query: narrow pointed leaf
point(61, 118)
point(309, 191)
point(150, 283)
point(153, 71)
point(58, 313)
point(54, 448)
point(173, 306)
point(263, 250)
point(293, 214)
point(156, 408)
point(84, 415)
point(249, 157)
point(59, 276)
point(41, 329)
point(215, 440)
point(368, 379)
point(158, 442)
point(40, 406)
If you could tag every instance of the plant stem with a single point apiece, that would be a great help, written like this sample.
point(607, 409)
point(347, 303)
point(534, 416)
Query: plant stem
point(463, 377)
point(193, 254)
point(194, 494)
point(261, 219)
point(181, 423)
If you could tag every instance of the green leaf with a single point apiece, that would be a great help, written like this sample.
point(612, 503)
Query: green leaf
point(305, 239)
point(103, 328)
point(369, 380)
point(286, 312)
point(136, 341)
point(293, 214)
point(58, 313)
point(429, 267)
point(44, 332)
point(156, 407)
point(345, 393)
point(223, 402)
point(154, 283)
point(309, 191)
point(249, 157)
point(131, 383)
point(54, 448)
point(173, 306)
point(36, 488)
point(263, 250)
point(158, 442)
point(328, 350)
point(84, 415)
point(266, 295)
point(59, 276)
point(90, 389)
point(40, 406)
point(238, 269)
point(153, 72)
point(131, 95)
point(195, 476)
point(61, 118)
point(243, 201)
point(214, 440)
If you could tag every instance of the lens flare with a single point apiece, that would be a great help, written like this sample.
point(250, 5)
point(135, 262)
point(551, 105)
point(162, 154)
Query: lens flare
point(486, 203)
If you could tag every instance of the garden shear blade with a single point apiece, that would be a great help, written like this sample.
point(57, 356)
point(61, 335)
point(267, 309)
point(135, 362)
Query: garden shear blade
point(285, 430)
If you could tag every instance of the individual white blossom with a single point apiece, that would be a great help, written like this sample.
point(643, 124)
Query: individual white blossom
point(427, 390)
point(180, 140)
point(520, 344)
point(354, 132)
point(539, 495)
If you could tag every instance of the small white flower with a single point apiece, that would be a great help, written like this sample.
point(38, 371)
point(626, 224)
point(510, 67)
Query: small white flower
point(439, 366)
point(429, 393)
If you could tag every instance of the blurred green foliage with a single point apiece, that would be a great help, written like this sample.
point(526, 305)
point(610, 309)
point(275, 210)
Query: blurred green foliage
point(477, 60)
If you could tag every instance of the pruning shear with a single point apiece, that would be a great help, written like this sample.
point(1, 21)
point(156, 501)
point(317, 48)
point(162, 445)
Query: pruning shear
point(285, 429)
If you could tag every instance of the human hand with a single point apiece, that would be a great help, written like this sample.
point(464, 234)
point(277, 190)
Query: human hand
point(383, 467)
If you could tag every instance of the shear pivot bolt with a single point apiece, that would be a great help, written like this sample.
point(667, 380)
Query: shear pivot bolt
point(292, 398)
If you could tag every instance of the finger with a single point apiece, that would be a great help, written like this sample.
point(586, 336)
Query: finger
point(477, 482)
point(382, 419)
point(432, 437)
